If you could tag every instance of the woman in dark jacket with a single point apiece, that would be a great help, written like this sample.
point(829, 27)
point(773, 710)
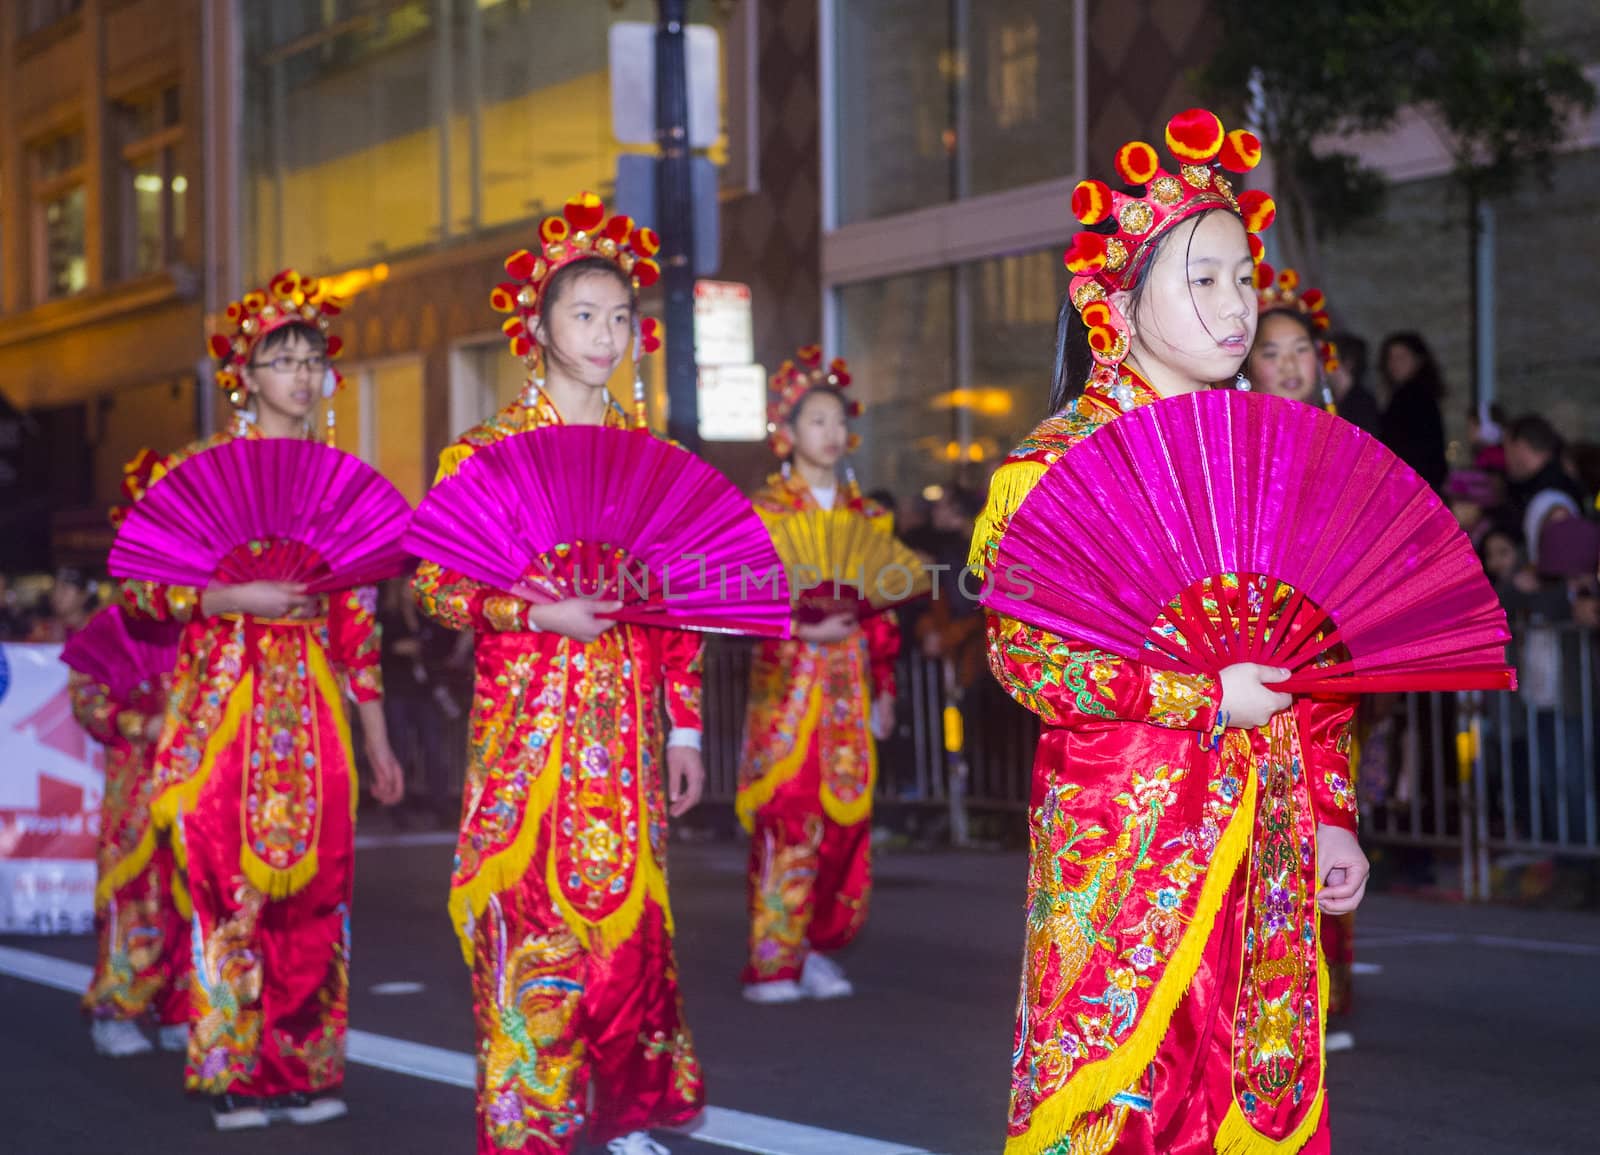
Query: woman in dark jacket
point(1413, 426)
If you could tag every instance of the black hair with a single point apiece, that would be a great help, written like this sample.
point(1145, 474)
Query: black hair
point(284, 334)
point(1536, 433)
point(817, 391)
point(1074, 363)
point(885, 498)
point(1427, 375)
point(1352, 352)
point(564, 276)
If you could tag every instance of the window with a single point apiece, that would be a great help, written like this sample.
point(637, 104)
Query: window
point(966, 99)
point(60, 201)
point(37, 14)
point(378, 416)
point(952, 365)
point(154, 191)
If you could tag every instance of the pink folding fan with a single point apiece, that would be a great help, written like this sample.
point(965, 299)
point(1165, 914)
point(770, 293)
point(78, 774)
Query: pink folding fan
point(121, 652)
point(265, 509)
point(1225, 527)
point(609, 514)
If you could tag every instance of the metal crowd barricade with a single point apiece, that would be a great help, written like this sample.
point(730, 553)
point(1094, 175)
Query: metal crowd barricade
point(1475, 776)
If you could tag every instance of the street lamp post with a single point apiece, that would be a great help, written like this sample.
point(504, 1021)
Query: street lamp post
point(675, 221)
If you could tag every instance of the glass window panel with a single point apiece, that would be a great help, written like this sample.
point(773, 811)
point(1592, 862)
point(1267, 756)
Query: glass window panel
point(148, 229)
point(1014, 303)
point(942, 406)
point(66, 267)
point(897, 334)
point(180, 201)
point(942, 101)
point(342, 149)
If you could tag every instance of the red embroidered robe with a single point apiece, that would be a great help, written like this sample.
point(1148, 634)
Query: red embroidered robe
point(808, 770)
point(1162, 856)
point(256, 776)
point(142, 936)
point(559, 894)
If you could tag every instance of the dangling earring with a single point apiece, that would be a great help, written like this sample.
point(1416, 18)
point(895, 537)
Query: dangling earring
point(638, 381)
point(1241, 382)
point(785, 469)
point(330, 386)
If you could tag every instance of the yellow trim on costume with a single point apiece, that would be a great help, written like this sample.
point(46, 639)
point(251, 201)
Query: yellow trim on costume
point(180, 896)
point(1012, 482)
point(275, 882)
point(648, 878)
point(128, 867)
point(502, 871)
point(1237, 1137)
point(1096, 1084)
point(757, 794)
point(859, 810)
point(183, 796)
point(450, 461)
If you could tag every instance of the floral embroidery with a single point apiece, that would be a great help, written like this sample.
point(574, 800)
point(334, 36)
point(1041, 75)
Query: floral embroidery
point(529, 1057)
point(225, 1035)
point(779, 899)
point(283, 791)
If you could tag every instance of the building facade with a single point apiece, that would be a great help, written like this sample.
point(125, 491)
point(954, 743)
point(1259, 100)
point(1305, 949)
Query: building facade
point(895, 182)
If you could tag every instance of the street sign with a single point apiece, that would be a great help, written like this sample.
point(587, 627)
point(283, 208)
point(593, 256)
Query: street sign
point(733, 403)
point(724, 324)
point(636, 196)
point(633, 83)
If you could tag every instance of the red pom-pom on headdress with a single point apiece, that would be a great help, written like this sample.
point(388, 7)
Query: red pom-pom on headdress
point(1281, 291)
point(1106, 260)
point(287, 299)
point(581, 232)
point(792, 381)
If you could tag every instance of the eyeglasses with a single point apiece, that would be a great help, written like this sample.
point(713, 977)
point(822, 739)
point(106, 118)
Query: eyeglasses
point(290, 365)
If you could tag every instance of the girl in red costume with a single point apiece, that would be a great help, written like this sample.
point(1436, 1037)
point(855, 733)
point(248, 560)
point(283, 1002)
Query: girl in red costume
point(255, 774)
point(1185, 830)
point(142, 962)
point(559, 895)
point(817, 702)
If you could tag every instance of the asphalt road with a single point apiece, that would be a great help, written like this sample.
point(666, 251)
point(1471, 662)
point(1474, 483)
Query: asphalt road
point(1477, 1029)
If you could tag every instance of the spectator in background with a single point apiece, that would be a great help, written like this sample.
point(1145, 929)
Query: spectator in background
point(1412, 424)
point(1541, 490)
point(1485, 433)
point(13, 623)
point(71, 603)
point(1353, 398)
point(1475, 497)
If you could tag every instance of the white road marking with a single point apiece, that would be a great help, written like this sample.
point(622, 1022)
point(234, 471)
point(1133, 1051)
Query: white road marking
point(718, 1126)
point(397, 988)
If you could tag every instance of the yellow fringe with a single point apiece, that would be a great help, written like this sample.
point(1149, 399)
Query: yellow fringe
point(850, 813)
point(180, 896)
point(504, 870)
point(128, 868)
point(276, 882)
point(1011, 484)
point(618, 926)
point(450, 461)
point(183, 797)
point(1237, 1137)
point(757, 794)
point(1095, 1084)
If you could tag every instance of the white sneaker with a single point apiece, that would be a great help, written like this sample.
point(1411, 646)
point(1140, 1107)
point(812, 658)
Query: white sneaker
point(175, 1038)
point(118, 1039)
point(639, 1143)
point(304, 1111)
point(230, 1113)
point(822, 978)
point(782, 991)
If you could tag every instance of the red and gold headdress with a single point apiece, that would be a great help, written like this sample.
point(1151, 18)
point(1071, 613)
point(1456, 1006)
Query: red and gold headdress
point(789, 385)
point(1282, 291)
point(289, 298)
point(1108, 259)
point(136, 477)
point(581, 231)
